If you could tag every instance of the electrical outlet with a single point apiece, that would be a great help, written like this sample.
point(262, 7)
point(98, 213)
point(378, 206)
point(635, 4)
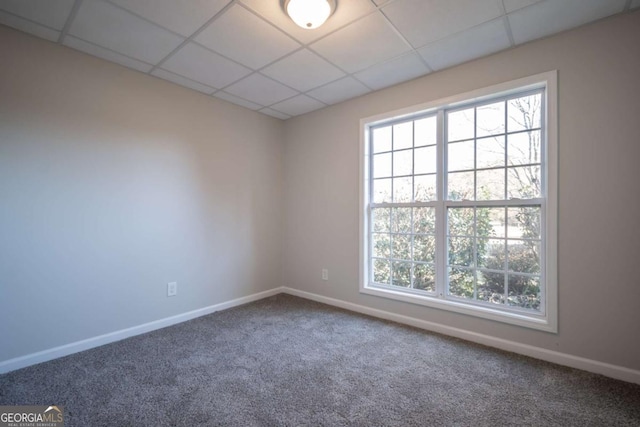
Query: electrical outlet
point(325, 274)
point(172, 289)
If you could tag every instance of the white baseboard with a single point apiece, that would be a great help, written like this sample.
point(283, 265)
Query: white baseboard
point(75, 347)
point(606, 369)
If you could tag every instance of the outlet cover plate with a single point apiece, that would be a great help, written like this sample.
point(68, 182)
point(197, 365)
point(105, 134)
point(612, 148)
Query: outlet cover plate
point(172, 289)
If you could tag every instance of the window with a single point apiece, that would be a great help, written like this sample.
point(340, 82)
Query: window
point(458, 204)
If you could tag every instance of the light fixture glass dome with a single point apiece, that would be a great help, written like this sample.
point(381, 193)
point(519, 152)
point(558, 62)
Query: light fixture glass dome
point(309, 14)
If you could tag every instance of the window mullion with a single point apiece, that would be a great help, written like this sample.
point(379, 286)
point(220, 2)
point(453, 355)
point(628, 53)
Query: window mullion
point(413, 199)
point(475, 199)
point(441, 219)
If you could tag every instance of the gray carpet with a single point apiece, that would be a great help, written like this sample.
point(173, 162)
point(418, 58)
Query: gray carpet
point(285, 361)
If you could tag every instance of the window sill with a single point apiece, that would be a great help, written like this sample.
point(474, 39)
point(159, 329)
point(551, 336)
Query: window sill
point(539, 322)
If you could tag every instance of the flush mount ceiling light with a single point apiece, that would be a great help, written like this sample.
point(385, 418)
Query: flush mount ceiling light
point(309, 14)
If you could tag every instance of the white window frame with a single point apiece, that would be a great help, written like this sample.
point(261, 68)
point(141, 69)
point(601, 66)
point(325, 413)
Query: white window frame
point(547, 318)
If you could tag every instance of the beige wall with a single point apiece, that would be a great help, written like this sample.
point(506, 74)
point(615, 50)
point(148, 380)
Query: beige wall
point(113, 183)
point(599, 173)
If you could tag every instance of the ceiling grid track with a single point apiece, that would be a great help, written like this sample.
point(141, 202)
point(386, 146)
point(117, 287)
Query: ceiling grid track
point(192, 36)
point(507, 24)
point(413, 49)
point(69, 21)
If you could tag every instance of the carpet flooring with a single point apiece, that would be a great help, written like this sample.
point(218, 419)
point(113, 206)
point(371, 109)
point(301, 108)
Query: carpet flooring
point(286, 361)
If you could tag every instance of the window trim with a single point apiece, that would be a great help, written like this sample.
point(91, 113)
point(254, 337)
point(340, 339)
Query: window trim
point(548, 319)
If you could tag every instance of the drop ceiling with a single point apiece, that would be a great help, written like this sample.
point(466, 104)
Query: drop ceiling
point(250, 53)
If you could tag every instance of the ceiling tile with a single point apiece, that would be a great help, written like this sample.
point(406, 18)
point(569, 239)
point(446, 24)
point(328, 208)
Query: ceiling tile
point(242, 36)
point(237, 101)
point(397, 70)
point(347, 11)
point(111, 27)
point(303, 70)
point(107, 54)
point(361, 44)
point(199, 64)
point(52, 14)
point(424, 21)
point(182, 17)
point(300, 104)
point(182, 81)
point(260, 89)
point(512, 5)
point(340, 90)
point(550, 17)
point(28, 26)
point(479, 41)
point(274, 113)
